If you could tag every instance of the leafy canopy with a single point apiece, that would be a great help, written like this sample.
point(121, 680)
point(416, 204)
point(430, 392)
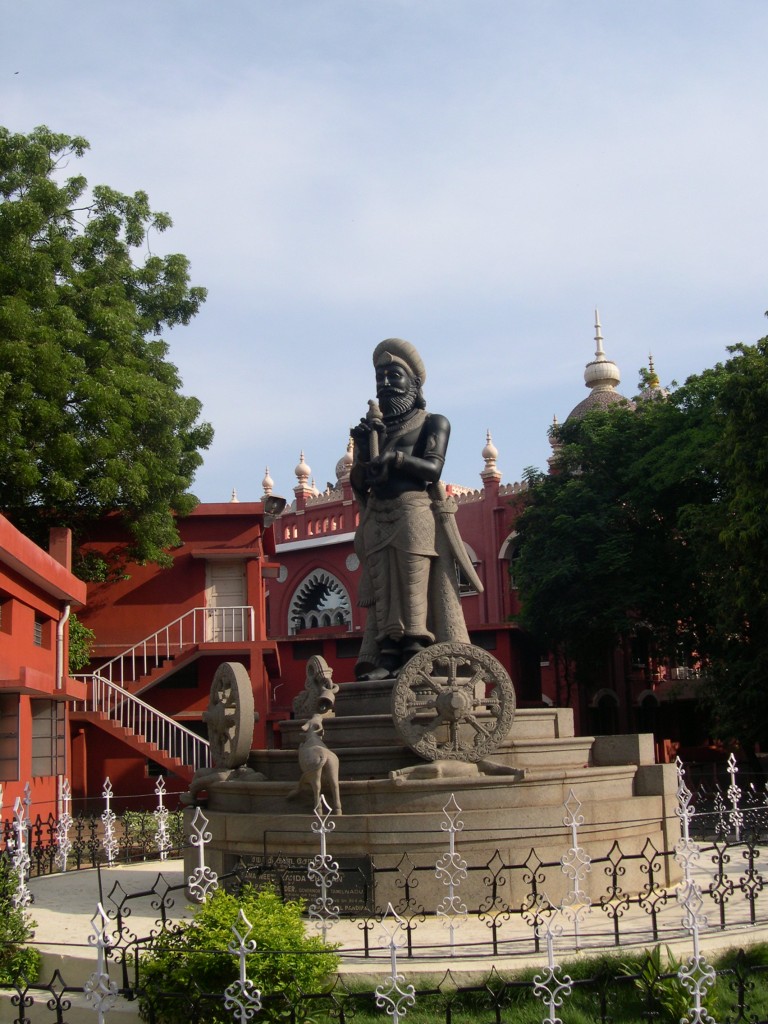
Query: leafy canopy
point(658, 517)
point(91, 416)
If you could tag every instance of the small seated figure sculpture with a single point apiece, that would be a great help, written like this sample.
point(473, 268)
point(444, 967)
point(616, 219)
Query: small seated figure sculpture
point(455, 770)
point(319, 766)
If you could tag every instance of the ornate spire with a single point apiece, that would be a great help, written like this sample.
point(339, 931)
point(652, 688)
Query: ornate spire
point(234, 497)
point(267, 483)
point(653, 377)
point(601, 374)
point(490, 454)
point(302, 471)
point(554, 441)
point(653, 388)
point(344, 465)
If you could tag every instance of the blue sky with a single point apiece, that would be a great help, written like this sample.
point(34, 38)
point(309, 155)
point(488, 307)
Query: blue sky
point(473, 175)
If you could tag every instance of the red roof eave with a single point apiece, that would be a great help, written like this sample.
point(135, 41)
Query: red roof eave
point(29, 561)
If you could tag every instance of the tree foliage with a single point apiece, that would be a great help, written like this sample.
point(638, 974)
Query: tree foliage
point(19, 961)
point(91, 416)
point(184, 974)
point(659, 516)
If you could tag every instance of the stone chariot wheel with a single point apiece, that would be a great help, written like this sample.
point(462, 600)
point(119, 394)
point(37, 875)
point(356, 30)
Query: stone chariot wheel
point(230, 716)
point(453, 701)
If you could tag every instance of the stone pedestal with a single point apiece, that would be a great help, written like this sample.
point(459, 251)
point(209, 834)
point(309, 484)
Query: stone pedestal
point(624, 797)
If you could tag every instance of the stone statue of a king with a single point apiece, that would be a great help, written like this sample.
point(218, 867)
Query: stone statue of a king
point(407, 540)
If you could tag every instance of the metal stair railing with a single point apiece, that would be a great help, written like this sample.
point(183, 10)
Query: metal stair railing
point(198, 625)
point(144, 721)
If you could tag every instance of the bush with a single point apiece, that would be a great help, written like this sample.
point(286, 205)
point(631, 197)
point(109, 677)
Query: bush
point(183, 975)
point(19, 963)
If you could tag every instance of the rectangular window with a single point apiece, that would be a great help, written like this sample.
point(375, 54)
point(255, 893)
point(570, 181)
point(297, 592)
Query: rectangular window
point(348, 647)
point(48, 740)
point(39, 631)
point(9, 737)
point(484, 638)
point(306, 650)
point(6, 613)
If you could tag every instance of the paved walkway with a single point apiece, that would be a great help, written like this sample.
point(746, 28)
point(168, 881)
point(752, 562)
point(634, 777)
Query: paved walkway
point(64, 906)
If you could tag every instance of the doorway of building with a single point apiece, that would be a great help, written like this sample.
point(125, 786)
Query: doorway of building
point(225, 599)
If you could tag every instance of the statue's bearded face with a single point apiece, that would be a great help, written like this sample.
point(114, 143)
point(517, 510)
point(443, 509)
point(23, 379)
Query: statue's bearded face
point(396, 389)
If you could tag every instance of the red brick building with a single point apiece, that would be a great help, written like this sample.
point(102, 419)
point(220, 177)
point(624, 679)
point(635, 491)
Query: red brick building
point(160, 635)
point(37, 591)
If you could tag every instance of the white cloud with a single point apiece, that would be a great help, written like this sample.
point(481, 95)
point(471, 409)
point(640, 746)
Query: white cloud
point(475, 178)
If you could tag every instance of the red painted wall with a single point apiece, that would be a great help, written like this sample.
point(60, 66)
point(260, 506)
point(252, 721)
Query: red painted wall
point(125, 611)
point(34, 587)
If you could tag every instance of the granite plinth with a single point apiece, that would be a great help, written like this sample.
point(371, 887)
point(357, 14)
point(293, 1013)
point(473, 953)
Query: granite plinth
point(622, 795)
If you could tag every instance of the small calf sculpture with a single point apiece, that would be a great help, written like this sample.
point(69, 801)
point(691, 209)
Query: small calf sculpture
point(319, 766)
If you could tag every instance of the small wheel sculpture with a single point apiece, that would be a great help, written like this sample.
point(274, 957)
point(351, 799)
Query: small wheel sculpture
point(453, 701)
point(230, 716)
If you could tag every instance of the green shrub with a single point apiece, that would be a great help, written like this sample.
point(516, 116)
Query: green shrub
point(191, 961)
point(667, 993)
point(81, 640)
point(18, 961)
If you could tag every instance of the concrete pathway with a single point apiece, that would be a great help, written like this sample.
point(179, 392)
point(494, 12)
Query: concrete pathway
point(65, 905)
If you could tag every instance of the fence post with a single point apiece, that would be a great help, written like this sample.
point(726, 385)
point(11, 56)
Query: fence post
point(161, 818)
point(734, 795)
point(28, 803)
point(108, 818)
point(20, 859)
point(549, 985)
point(392, 996)
point(100, 992)
point(696, 975)
point(242, 997)
point(202, 878)
point(64, 824)
point(575, 864)
point(323, 871)
point(451, 869)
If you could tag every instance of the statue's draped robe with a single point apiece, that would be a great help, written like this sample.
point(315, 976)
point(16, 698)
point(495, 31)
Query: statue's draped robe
point(407, 550)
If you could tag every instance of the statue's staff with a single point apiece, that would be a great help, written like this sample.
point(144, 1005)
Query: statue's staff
point(376, 421)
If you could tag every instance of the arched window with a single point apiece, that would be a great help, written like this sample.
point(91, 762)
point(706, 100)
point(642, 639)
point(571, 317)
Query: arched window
point(604, 713)
point(510, 551)
point(320, 599)
point(647, 712)
point(465, 587)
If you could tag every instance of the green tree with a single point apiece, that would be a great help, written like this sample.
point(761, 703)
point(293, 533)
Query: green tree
point(607, 540)
point(738, 652)
point(91, 416)
point(660, 516)
point(81, 640)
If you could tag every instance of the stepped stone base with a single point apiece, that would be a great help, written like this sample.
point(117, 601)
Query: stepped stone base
point(610, 782)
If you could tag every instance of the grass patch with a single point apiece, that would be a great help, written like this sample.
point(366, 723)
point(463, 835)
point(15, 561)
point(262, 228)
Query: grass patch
point(621, 988)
